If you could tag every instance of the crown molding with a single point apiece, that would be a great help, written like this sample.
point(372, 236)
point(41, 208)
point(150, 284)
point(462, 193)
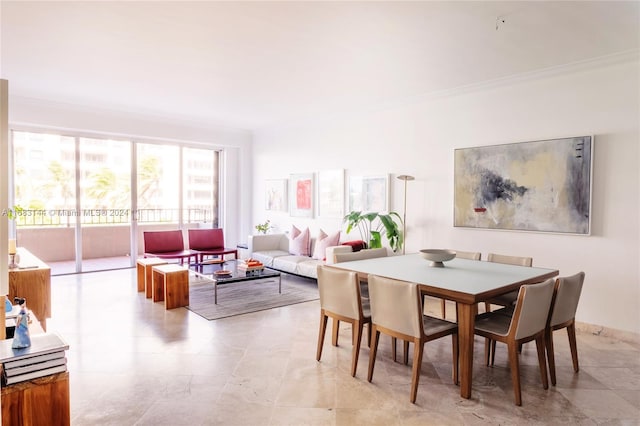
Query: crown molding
point(564, 69)
point(628, 56)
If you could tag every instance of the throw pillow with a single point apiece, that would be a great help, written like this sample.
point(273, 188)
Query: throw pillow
point(299, 242)
point(323, 242)
point(356, 245)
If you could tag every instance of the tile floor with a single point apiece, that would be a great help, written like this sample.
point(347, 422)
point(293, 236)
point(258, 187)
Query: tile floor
point(133, 363)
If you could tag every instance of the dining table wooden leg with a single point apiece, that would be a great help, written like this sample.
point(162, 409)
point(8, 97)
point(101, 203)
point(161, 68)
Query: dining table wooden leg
point(466, 324)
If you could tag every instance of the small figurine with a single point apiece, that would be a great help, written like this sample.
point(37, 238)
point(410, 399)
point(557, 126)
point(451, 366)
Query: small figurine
point(21, 338)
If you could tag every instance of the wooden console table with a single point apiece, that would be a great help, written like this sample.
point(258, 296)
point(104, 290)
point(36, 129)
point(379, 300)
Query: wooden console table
point(41, 401)
point(32, 280)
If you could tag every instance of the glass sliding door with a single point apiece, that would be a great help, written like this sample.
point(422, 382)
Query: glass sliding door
point(105, 203)
point(45, 188)
point(158, 189)
point(200, 187)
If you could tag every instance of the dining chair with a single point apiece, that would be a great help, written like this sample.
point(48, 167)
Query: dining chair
point(396, 310)
point(562, 315)
point(470, 255)
point(364, 288)
point(340, 299)
point(507, 299)
point(528, 322)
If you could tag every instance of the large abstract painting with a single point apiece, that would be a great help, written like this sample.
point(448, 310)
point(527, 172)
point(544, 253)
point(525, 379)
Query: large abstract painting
point(542, 186)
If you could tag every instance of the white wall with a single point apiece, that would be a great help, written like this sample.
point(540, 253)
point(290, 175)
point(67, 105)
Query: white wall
point(236, 144)
point(4, 194)
point(418, 138)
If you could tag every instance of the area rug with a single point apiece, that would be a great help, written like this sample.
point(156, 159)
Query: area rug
point(249, 296)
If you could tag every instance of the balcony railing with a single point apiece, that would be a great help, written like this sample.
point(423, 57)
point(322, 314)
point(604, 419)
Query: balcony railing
point(68, 217)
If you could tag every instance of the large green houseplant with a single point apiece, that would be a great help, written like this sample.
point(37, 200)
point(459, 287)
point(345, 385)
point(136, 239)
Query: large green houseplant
point(372, 225)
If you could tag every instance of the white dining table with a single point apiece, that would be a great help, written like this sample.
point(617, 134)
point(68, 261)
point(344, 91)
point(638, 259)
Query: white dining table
point(466, 282)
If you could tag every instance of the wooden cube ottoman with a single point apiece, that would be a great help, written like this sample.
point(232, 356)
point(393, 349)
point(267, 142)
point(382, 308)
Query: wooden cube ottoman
point(171, 284)
point(144, 265)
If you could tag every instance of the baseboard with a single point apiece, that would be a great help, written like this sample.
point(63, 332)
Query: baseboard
point(599, 330)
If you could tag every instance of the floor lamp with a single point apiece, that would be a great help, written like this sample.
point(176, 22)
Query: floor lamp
point(405, 178)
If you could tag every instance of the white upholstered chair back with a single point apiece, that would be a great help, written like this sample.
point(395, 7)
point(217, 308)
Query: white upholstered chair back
point(534, 301)
point(396, 305)
point(510, 260)
point(360, 255)
point(567, 295)
point(339, 291)
point(470, 255)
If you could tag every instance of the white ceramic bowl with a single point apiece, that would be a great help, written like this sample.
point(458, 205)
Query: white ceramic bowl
point(437, 256)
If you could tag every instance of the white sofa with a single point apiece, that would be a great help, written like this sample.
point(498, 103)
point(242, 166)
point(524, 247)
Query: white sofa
point(273, 251)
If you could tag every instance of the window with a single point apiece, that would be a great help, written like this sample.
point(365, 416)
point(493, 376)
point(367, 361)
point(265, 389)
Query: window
point(169, 192)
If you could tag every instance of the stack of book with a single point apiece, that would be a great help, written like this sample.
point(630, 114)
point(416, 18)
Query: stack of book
point(250, 267)
point(44, 357)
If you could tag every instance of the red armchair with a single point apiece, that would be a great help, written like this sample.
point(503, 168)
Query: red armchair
point(167, 245)
point(209, 242)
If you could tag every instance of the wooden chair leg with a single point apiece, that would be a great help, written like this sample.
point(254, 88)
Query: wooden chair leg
point(357, 331)
point(375, 335)
point(354, 332)
point(335, 331)
point(393, 348)
point(487, 351)
point(321, 333)
point(571, 332)
point(456, 357)
point(515, 371)
point(542, 362)
point(405, 348)
point(415, 371)
point(493, 352)
point(548, 340)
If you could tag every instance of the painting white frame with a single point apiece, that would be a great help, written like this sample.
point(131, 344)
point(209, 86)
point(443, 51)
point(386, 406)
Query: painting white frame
point(369, 193)
point(275, 195)
point(537, 186)
point(301, 195)
point(331, 193)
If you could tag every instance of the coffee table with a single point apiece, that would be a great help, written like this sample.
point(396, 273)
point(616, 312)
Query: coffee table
point(211, 271)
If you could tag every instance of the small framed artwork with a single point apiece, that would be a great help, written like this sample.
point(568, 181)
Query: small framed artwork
point(369, 193)
point(276, 194)
point(301, 195)
point(331, 193)
point(539, 186)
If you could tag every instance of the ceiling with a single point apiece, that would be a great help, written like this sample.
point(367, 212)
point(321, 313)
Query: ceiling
point(252, 65)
